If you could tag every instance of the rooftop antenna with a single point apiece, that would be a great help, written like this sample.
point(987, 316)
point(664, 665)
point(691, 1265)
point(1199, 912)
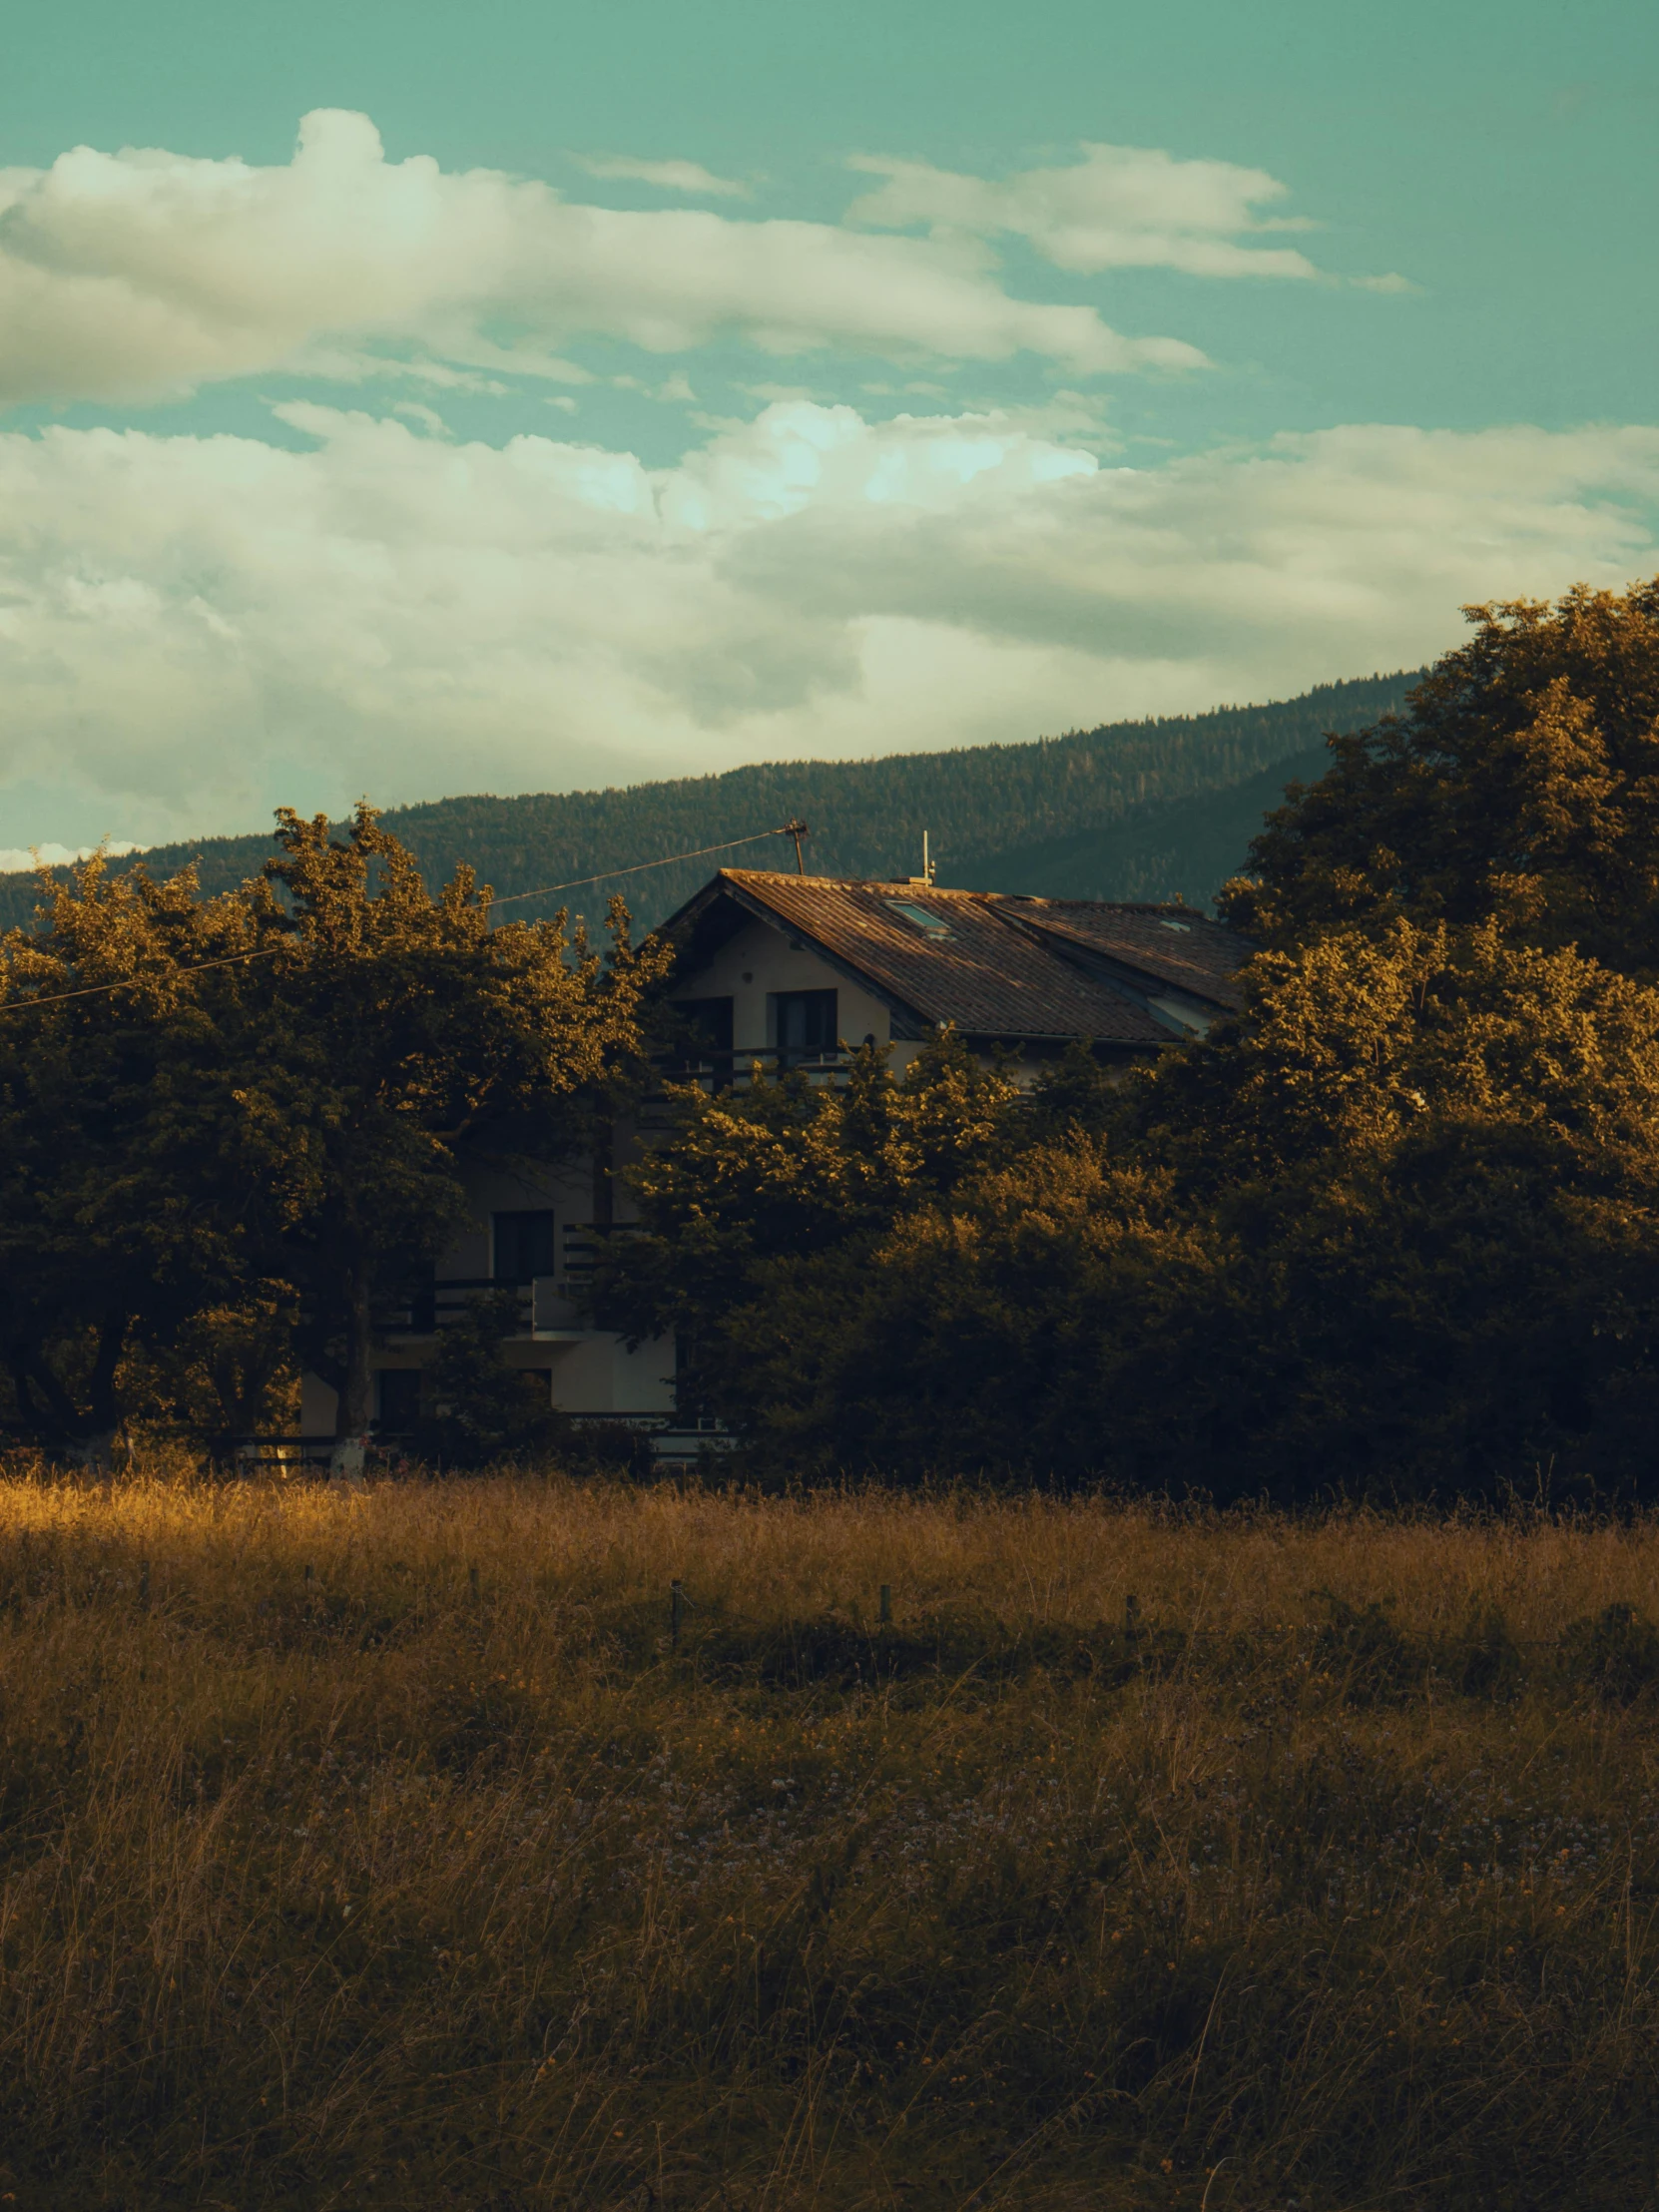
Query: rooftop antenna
point(796, 830)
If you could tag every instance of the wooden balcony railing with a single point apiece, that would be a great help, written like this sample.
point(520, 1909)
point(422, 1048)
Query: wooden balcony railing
point(547, 1304)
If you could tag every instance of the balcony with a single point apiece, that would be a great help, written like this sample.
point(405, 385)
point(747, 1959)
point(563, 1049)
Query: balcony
point(723, 1071)
point(547, 1312)
point(551, 1308)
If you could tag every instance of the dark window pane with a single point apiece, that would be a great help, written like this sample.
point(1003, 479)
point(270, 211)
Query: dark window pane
point(804, 1023)
point(399, 1399)
point(931, 924)
point(523, 1246)
point(705, 1037)
point(710, 1020)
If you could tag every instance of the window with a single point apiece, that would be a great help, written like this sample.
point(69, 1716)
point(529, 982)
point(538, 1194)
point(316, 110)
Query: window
point(523, 1246)
point(709, 1021)
point(1182, 1015)
point(802, 1025)
point(400, 1391)
point(918, 917)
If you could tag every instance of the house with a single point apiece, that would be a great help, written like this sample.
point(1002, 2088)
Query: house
point(798, 972)
point(791, 970)
point(536, 1233)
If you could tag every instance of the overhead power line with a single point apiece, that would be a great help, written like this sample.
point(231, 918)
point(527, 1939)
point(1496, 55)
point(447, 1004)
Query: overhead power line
point(135, 982)
point(792, 828)
point(605, 875)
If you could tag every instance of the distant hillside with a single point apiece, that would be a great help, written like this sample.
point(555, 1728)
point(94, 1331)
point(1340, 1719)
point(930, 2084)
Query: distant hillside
point(1135, 810)
point(1165, 849)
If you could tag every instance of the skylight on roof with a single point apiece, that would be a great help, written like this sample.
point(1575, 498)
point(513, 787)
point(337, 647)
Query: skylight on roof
point(930, 925)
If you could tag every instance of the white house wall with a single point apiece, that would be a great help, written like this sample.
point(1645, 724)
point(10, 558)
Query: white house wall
point(590, 1371)
point(599, 1375)
point(566, 1192)
point(761, 959)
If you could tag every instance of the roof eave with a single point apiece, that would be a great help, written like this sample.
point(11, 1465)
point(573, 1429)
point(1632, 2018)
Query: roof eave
point(901, 1010)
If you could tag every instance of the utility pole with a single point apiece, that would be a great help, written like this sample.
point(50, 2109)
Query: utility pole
point(797, 830)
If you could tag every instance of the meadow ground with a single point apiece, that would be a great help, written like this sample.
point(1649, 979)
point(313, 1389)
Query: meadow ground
point(371, 1848)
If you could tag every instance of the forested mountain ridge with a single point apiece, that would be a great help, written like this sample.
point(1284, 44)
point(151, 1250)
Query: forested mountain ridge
point(1136, 810)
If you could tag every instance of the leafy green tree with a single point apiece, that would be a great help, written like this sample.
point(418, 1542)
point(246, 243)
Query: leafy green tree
point(1430, 1159)
point(229, 1369)
point(1397, 1230)
point(402, 1034)
point(983, 1333)
point(126, 1189)
point(480, 1410)
point(267, 1116)
point(1521, 783)
point(786, 1169)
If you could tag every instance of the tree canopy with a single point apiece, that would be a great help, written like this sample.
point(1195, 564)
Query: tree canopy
point(252, 1111)
point(1522, 782)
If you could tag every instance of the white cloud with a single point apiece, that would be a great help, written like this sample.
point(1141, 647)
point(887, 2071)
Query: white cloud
point(144, 274)
point(14, 860)
point(192, 627)
point(688, 176)
point(1119, 207)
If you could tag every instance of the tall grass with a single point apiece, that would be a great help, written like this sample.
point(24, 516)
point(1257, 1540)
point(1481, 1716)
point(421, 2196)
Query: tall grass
point(373, 1848)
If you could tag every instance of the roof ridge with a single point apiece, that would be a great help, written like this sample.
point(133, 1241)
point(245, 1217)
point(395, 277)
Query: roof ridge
point(892, 886)
point(883, 883)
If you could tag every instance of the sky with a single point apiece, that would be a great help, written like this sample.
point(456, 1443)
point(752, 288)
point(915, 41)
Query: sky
point(408, 401)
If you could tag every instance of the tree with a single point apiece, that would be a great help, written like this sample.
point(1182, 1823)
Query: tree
point(126, 1189)
point(1431, 1160)
point(268, 1114)
point(404, 1034)
point(787, 1171)
point(480, 1409)
point(1522, 783)
point(1393, 1231)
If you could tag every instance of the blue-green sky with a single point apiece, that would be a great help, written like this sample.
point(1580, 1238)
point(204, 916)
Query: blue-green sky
point(971, 372)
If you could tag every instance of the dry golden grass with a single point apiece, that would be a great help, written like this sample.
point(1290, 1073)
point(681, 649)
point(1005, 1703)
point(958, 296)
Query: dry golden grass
point(371, 1848)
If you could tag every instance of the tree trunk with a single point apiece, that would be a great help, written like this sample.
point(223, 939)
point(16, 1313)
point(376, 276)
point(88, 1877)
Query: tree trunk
point(105, 1404)
point(352, 1410)
point(604, 1169)
point(55, 1418)
point(96, 1440)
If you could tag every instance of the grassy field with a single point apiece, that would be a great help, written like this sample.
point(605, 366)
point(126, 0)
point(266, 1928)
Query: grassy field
point(376, 1847)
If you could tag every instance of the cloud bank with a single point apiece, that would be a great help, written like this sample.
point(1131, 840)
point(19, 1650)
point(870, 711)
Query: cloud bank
point(142, 275)
point(192, 627)
point(1120, 207)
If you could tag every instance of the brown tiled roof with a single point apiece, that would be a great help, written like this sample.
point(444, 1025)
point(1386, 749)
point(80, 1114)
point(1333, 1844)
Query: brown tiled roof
point(986, 978)
point(1168, 942)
